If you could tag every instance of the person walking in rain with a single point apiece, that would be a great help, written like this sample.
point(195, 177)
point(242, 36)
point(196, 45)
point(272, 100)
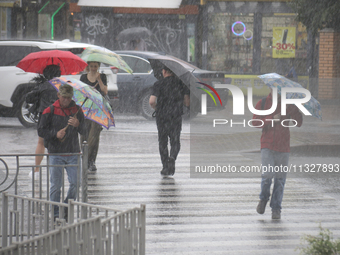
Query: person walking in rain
point(275, 147)
point(167, 98)
point(42, 96)
point(59, 126)
point(98, 81)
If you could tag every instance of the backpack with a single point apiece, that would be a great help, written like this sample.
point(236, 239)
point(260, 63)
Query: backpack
point(50, 117)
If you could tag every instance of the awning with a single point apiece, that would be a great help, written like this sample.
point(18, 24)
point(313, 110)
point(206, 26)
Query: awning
point(131, 3)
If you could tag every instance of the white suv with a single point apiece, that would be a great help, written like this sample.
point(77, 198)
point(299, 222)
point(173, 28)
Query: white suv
point(15, 83)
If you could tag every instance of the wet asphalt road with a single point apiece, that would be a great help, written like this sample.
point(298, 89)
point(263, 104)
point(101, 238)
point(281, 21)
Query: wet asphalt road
point(206, 215)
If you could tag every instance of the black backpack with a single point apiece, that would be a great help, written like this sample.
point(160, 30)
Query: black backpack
point(50, 116)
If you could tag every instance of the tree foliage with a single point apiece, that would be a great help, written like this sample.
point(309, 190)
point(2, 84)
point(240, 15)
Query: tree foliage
point(317, 14)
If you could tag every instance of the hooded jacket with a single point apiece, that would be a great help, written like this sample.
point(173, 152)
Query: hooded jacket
point(276, 137)
point(51, 123)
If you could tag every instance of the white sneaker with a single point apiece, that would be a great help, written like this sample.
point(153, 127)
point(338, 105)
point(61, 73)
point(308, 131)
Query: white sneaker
point(36, 175)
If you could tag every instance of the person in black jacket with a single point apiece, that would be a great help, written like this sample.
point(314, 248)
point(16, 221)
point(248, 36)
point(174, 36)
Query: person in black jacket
point(59, 126)
point(99, 81)
point(167, 98)
point(43, 95)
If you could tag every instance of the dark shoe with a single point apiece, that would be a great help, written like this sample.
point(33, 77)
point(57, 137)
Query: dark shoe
point(165, 172)
point(261, 207)
point(276, 215)
point(171, 165)
point(92, 167)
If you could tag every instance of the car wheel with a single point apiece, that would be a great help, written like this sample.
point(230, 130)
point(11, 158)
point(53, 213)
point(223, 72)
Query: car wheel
point(26, 118)
point(146, 109)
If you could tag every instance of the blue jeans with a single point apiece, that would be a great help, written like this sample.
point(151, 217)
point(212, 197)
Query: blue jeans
point(273, 159)
point(56, 178)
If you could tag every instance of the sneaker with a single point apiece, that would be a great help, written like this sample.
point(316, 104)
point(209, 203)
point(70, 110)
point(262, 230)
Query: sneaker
point(36, 175)
point(92, 167)
point(165, 172)
point(171, 165)
point(261, 207)
point(276, 215)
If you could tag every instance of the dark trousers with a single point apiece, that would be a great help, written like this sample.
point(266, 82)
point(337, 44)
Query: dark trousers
point(169, 128)
point(92, 138)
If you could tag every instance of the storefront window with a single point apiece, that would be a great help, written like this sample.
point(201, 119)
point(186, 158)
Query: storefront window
point(283, 44)
point(230, 42)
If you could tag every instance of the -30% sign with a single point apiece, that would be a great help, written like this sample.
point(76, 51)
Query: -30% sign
point(285, 46)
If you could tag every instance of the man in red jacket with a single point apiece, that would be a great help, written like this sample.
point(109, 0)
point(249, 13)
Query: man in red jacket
point(59, 126)
point(275, 148)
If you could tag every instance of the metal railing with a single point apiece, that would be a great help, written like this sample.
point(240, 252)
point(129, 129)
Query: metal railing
point(17, 165)
point(77, 238)
point(28, 227)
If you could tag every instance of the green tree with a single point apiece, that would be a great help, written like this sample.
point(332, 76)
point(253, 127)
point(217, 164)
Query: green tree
point(317, 14)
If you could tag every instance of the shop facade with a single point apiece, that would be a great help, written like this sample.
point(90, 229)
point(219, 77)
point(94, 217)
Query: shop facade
point(246, 39)
point(172, 31)
point(243, 39)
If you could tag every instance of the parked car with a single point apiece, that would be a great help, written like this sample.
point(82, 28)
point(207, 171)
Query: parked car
point(16, 83)
point(134, 90)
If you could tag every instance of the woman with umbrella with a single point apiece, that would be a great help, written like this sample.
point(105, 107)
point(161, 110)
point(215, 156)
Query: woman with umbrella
point(42, 96)
point(98, 81)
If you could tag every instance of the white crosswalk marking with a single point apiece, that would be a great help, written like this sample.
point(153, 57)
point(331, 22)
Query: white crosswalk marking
point(211, 215)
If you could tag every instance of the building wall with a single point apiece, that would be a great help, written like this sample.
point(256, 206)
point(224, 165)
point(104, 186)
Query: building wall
point(329, 63)
point(171, 31)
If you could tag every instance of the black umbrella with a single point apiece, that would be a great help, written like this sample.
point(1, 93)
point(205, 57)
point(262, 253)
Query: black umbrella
point(134, 33)
point(180, 68)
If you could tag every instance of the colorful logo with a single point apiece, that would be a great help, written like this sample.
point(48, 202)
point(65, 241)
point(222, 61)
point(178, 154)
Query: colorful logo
point(208, 92)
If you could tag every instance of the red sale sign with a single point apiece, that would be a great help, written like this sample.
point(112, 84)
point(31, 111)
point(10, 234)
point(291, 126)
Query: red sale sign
point(284, 42)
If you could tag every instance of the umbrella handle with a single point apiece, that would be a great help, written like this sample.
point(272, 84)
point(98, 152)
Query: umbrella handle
point(63, 139)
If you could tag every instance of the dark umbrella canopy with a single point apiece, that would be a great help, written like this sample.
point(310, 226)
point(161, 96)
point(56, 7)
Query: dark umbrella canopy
point(134, 33)
point(181, 70)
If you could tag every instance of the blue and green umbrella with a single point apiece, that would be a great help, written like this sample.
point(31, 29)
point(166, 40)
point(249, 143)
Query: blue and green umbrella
point(103, 55)
point(274, 80)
